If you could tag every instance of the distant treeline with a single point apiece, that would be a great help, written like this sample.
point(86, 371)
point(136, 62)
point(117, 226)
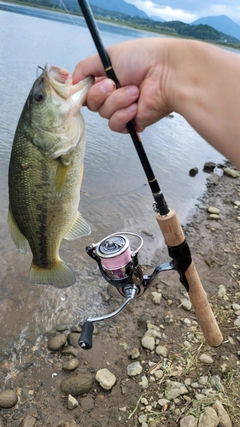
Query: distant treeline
point(172, 28)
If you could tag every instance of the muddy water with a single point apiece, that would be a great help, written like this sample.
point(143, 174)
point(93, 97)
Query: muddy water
point(115, 195)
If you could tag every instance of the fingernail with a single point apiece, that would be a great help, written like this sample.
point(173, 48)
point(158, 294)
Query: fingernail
point(108, 86)
point(132, 91)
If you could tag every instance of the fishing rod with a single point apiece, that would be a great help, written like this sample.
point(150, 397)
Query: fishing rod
point(119, 264)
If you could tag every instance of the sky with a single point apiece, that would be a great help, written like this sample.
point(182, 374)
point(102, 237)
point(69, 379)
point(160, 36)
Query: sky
point(189, 10)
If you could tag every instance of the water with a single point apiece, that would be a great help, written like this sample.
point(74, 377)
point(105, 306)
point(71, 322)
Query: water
point(115, 192)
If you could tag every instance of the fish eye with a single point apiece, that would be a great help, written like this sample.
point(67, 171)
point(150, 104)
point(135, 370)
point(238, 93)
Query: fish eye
point(39, 96)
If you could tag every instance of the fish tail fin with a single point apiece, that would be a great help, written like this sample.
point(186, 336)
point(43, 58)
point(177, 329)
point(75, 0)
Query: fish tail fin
point(60, 275)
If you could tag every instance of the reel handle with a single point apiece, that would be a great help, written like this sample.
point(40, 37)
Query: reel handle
point(85, 340)
point(174, 236)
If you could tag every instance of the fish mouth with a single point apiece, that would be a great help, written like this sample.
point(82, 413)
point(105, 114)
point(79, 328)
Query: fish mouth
point(60, 80)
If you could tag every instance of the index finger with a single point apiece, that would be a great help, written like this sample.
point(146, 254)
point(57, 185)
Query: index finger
point(91, 66)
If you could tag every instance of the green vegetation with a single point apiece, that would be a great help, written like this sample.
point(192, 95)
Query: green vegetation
point(172, 28)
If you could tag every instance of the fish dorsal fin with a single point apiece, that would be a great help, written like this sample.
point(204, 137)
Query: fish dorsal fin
point(79, 228)
point(61, 174)
point(18, 238)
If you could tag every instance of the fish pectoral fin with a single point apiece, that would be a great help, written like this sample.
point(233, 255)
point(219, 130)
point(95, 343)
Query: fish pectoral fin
point(61, 174)
point(18, 238)
point(59, 275)
point(79, 228)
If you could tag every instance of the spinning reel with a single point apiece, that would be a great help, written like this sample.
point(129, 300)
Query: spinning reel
point(119, 266)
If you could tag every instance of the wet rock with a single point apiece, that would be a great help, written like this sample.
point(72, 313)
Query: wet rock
point(72, 402)
point(174, 389)
point(87, 404)
point(77, 385)
point(206, 358)
point(188, 421)
point(70, 365)
point(69, 351)
point(73, 339)
point(231, 172)
point(134, 369)
point(209, 167)
point(213, 210)
point(8, 399)
point(106, 379)
point(213, 179)
point(224, 419)
point(209, 418)
point(193, 171)
point(61, 327)
point(57, 343)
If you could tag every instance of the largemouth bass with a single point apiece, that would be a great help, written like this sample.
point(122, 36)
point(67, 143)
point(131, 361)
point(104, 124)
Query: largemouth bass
point(45, 174)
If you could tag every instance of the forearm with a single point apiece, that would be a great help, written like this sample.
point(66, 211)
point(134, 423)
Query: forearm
point(203, 85)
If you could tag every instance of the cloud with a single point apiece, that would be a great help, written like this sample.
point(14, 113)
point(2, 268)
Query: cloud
point(188, 10)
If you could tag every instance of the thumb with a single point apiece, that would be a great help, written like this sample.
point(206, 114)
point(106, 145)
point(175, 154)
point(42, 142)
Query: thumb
point(91, 66)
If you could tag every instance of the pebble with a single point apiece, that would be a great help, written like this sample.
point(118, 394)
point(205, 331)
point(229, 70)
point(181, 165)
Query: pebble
point(72, 402)
point(134, 354)
point(213, 210)
point(188, 421)
point(144, 382)
point(73, 339)
point(87, 404)
point(222, 292)
point(8, 399)
point(174, 389)
point(186, 304)
point(222, 414)
point(209, 418)
point(134, 369)
point(159, 374)
point(148, 342)
point(77, 384)
point(213, 216)
point(156, 297)
point(206, 358)
point(62, 327)
point(70, 365)
point(28, 421)
point(69, 351)
point(106, 379)
point(162, 350)
point(193, 171)
point(216, 383)
point(236, 307)
point(163, 402)
point(231, 172)
point(57, 343)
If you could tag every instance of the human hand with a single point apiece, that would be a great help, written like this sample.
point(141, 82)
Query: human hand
point(140, 68)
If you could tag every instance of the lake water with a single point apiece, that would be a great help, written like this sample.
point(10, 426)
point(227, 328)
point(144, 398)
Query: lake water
point(115, 192)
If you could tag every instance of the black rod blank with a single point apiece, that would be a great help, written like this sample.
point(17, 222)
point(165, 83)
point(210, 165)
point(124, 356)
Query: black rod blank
point(161, 205)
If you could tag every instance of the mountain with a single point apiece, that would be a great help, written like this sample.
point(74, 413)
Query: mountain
point(119, 6)
point(156, 18)
point(221, 23)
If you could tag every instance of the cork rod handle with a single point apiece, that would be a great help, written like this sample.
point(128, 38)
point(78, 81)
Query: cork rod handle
point(174, 236)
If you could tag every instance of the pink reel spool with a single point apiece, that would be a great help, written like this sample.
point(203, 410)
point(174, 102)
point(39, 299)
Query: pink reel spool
point(115, 254)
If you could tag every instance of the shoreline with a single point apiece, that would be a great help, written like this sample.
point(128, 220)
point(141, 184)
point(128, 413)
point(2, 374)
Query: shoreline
point(175, 356)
